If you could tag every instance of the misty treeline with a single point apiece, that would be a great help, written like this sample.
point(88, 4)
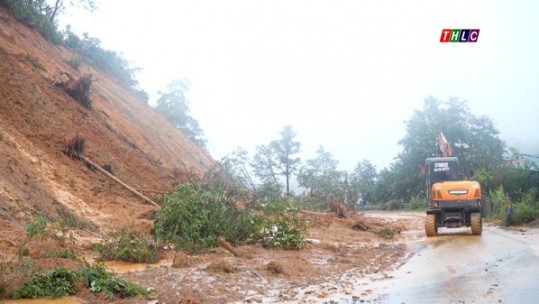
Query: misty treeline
point(42, 16)
point(474, 139)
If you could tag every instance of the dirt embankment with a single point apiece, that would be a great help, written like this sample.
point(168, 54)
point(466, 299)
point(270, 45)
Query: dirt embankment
point(37, 120)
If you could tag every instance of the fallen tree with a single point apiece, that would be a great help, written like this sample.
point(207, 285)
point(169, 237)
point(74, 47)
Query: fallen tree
point(75, 150)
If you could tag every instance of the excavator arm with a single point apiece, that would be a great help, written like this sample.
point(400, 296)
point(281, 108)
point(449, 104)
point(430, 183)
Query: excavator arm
point(444, 149)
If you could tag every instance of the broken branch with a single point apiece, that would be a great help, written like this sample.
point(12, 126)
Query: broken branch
point(228, 247)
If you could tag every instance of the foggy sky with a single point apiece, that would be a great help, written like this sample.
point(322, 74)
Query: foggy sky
point(344, 74)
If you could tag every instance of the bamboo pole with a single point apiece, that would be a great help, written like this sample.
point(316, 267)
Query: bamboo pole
point(118, 181)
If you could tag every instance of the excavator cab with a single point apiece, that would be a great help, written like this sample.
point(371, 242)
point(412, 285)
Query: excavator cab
point(440, 169)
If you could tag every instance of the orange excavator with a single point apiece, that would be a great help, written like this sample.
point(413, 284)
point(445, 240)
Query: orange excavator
point(452, 202)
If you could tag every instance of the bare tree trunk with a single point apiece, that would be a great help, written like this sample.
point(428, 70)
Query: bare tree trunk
point(287, 180)
point(57, 5)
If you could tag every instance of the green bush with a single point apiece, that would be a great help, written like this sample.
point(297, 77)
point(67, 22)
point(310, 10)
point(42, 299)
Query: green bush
point(63, 282)
point(527, 210)
point(98, 280)
point(524, 211)
point(38, 227)
point(269, 191)
point(499, 202)
point(529, 197)
point(285, 236)
point(130, 246)
point(417, 203)
point(63, 253)
point(57, 283)
point(524, 214)
point(276, 208)
point(196, 215)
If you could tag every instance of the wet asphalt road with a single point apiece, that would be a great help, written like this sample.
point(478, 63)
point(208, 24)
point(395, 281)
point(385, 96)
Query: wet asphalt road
point(501, 266)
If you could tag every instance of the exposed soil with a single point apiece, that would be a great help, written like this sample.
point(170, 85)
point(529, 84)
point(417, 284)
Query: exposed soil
point(38, 119)
point(335, 258)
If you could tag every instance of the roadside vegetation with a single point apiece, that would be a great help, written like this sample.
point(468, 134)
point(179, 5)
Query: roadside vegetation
point(194, 216)
point(62, 282)
point(23, 277)
point(129, 245)
point(525, 210)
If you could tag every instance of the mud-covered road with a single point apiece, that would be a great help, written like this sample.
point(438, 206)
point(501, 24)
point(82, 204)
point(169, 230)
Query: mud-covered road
point(501, 266)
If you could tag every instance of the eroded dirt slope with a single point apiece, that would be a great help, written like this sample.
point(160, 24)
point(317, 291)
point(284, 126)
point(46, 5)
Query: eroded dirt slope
point(38, 119)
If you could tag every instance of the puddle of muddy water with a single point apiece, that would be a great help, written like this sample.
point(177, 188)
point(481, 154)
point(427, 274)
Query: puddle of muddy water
point(124, 267)
point(66, 300)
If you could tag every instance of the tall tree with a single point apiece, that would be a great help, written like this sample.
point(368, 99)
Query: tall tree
point(385, 186)
point(321, 177)
point(175, 106)
point(265, 168)
point(277, 158)
point(474, 141)
point(264, 165)
point(285, 150)
point(364, 179)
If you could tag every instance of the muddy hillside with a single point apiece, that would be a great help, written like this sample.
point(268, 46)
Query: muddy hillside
point(38, 120)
